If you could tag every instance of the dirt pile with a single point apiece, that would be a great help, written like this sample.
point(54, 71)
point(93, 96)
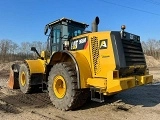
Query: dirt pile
point(152, 62)
point(6, 66)
point(5, 70)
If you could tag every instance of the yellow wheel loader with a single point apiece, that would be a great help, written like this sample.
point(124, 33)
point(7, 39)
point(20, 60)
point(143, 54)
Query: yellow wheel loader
point(79, 63)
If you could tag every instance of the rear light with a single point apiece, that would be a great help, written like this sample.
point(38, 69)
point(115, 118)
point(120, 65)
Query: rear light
point(115, 74)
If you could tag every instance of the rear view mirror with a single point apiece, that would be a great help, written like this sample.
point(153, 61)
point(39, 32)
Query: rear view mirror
point(33, 49)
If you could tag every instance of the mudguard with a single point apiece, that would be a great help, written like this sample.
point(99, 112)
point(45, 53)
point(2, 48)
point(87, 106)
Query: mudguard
point(36, 66)
point(82, 66)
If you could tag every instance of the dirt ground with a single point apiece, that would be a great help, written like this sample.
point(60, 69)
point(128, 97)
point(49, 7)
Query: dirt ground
point(139, 103)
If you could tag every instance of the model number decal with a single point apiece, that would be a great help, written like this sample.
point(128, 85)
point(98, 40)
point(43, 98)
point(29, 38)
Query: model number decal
point(78, 44)
point(83, 40)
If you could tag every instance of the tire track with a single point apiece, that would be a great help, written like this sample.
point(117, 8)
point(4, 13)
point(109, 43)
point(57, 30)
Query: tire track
point(32, 100)
point(8, 108)
point(44, 116)
point(22, 103)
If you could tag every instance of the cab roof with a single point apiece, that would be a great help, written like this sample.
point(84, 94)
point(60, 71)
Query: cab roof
point(67, 20)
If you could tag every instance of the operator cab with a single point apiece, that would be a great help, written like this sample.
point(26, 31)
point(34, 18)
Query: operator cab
point(61, 31)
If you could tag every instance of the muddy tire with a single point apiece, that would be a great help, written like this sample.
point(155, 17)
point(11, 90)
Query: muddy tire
point(24, 79)
point(63, 88)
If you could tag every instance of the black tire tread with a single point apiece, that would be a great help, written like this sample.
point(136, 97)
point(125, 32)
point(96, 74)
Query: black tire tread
point(80, 95)
point(28, 82)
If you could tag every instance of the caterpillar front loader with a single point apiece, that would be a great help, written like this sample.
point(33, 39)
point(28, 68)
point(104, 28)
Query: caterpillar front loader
point(79, 63)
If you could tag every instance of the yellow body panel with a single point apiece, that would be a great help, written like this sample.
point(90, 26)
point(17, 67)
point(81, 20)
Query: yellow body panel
point(144, 79)
point(114, 85)
point(36, 66)
point(97, 82)
point(106, 60)
point(97, 66)
point(46, 56)
point(86, 59)
point(84, 68)
point(106, 55)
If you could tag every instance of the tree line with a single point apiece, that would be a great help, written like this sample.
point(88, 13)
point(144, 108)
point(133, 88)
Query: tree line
point(151, 47)
point(11, 51)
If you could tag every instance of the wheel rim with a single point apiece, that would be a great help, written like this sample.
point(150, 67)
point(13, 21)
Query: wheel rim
point(23, 79)
point(59, 86)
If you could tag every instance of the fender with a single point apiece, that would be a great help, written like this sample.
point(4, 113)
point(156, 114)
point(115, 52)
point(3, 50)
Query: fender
point(37, 70)
point(36, 66)
point(82, 66)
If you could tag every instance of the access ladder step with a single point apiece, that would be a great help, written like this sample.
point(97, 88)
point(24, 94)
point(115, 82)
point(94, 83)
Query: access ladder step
point(96, 95)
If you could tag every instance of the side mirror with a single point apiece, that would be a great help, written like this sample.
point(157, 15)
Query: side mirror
point(33, 49)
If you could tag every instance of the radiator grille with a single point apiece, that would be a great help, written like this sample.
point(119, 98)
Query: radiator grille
point(133, 53)
point(95, 54)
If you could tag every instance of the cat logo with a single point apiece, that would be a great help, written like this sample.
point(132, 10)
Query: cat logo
point(103, 44)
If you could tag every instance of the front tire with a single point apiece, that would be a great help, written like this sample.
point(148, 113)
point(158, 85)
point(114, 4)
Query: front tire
point(63, 89)
point(24, 79)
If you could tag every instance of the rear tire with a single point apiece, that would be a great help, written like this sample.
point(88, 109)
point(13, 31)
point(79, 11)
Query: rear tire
point(24, 79)
point(63, 87)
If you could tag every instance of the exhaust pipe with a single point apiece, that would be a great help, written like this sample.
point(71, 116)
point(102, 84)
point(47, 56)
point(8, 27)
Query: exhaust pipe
point(95, 24)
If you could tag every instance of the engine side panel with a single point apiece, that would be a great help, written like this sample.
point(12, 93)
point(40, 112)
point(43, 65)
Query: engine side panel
point(102, 55)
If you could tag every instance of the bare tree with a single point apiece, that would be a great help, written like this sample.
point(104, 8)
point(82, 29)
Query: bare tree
point(152, 48)
point(25, 47)
point(10, 50)
point(13, 50)
point(4, 48)
point(38, 45)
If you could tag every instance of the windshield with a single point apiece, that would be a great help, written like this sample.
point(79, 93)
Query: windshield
point(62, 32)
point(74, 31)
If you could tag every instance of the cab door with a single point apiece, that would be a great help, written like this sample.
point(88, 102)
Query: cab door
point(55, 40)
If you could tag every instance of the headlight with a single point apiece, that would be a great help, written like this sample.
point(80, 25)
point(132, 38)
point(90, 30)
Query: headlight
point(66, 43)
